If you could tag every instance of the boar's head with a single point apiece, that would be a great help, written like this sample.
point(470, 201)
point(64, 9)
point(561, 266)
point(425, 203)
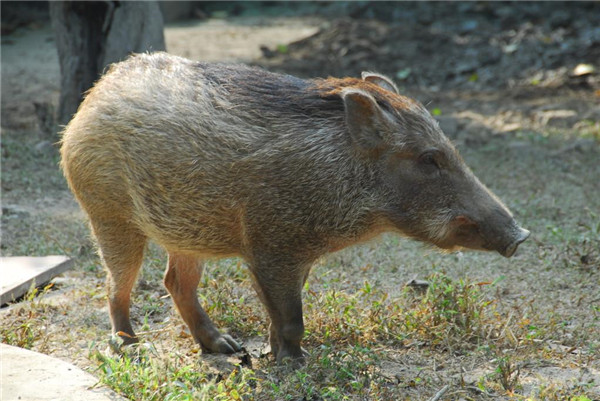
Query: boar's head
point(428, 191)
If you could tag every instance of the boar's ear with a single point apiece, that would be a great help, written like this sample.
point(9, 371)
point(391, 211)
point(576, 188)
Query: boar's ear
point(380, 80)
point(364, 119)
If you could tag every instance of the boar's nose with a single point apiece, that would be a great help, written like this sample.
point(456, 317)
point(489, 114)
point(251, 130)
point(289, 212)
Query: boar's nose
point(521, 235)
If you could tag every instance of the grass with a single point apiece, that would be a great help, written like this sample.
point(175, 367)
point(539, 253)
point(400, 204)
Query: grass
point(147, 376)
point(348, 335)
point(25, 325)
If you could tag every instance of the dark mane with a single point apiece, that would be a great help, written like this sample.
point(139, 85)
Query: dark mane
point(272, 94)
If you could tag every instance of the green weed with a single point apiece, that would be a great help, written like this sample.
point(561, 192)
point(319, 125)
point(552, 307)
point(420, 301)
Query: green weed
point(149, 376)
point(25, 328)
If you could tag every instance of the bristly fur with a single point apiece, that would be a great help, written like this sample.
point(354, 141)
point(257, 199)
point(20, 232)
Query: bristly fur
point(214, 160)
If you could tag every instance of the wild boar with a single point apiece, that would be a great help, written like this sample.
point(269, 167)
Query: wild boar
point(214, 161)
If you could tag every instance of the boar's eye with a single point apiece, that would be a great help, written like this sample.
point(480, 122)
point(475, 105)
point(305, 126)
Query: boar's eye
point(429, 161)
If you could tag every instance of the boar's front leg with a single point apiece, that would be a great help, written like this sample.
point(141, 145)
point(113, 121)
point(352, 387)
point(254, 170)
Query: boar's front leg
point(279, 286)
point(181, 279)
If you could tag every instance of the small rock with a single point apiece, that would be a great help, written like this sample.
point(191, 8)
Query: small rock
point(420, 285)
point(510, 48)
point(403, 73)
point(583, 69)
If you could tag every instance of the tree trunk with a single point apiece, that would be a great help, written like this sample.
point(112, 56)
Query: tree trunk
point(91, 35)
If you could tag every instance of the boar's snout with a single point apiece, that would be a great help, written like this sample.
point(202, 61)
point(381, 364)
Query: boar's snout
point(520, 235)
point(502, 234)
point(498, 232)
point(487, 224)
point(494, 223)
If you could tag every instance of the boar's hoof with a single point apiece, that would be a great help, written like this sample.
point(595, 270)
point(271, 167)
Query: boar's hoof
point(120, 340)
point(224, 344)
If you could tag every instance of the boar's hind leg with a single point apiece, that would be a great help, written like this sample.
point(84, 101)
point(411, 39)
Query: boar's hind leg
point(181, 279)
point(281, 295)
point(122, 251)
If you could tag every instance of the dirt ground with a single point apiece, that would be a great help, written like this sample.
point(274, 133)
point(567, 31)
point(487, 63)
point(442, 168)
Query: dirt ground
point(517, 88)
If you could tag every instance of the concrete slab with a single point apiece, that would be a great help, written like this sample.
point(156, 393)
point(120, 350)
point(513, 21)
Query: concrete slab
point(31, 376)
point(18, 273)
